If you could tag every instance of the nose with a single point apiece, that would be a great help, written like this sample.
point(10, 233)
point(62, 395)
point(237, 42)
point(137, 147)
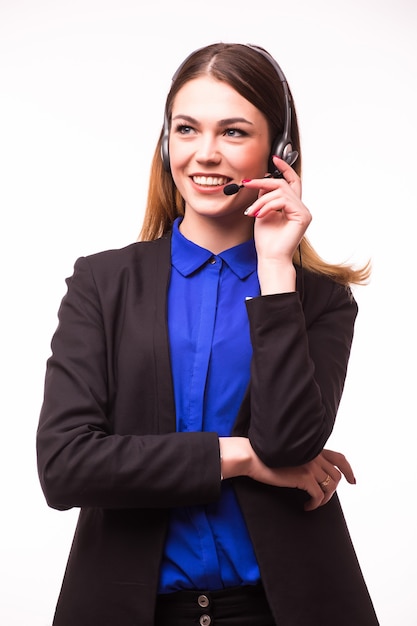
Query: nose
point(207, 150)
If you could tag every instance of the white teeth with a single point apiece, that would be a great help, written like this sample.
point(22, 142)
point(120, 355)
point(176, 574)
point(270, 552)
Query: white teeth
point(210, 181)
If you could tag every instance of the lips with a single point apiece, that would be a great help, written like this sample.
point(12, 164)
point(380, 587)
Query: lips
point(210, 181)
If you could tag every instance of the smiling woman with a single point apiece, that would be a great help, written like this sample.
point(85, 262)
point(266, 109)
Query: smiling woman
point(195, 379)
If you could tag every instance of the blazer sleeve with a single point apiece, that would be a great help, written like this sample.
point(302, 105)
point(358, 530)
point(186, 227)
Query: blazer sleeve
point(299, 365)
point(83, 460)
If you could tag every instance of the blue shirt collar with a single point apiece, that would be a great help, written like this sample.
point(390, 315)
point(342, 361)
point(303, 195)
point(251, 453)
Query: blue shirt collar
point(187, 257)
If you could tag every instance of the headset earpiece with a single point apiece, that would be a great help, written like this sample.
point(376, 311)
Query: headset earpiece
point(165, 145)
point(282, 148)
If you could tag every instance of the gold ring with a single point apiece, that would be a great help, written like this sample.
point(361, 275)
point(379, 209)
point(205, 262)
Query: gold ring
point(325, 481)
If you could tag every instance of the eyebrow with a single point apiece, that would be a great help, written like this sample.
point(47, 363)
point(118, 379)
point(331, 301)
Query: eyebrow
point(223, 123)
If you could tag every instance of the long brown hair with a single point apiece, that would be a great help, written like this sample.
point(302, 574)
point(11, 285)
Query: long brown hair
point(255, 78)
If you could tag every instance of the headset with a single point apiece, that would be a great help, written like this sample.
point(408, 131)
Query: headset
point(281, 146)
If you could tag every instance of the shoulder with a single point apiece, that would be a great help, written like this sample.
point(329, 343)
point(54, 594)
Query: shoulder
point(129, 258)
point(320, 293)
point(138, 266)
point(132, 253)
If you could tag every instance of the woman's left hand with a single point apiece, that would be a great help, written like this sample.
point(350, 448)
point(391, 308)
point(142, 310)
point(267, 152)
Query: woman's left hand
point(281, 217)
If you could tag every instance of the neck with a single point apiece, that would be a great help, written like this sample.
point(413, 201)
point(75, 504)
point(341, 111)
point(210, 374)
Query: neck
point(216, 234)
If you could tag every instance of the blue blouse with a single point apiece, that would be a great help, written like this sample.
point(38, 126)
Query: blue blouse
point(208, 547)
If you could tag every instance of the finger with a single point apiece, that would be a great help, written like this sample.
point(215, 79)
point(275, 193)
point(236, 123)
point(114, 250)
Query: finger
point(265, 184)
point(282, 176)
point(273, 205)
point(289, 174)
point(328, 491)
point(328, 496)
point(339, 460)
point(328, 483)
point(327, 477)
point(277, 201)
point(333, 475)
point(316, 494)
point(317, 498)
point(313, 504)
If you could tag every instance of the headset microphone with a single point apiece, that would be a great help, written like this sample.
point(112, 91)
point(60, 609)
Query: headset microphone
point(231, 189)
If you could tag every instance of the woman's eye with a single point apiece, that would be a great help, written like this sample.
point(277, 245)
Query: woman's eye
point(182, 129)
point(234, 132)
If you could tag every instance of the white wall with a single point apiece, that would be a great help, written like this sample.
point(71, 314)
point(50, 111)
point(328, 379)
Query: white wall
point(82, 87)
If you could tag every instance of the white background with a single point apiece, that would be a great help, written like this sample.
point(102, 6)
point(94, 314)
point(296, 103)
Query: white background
point(82, 89)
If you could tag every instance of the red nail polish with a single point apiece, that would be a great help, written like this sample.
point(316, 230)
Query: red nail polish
point(246, 180)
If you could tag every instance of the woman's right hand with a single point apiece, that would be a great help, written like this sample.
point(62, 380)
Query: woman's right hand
point(319, 477)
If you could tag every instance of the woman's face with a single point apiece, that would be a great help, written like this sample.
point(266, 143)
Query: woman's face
point(216, 137)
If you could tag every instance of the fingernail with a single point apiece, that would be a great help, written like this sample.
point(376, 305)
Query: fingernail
point(246, 180)
point(246, 211)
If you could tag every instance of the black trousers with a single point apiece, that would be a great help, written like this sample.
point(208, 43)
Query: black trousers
point(238, 606)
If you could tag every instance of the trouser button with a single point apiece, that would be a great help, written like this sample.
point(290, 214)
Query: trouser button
point(205, 620)
point(203, 601)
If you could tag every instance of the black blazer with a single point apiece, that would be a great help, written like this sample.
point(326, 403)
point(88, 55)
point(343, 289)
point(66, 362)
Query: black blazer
point(106, 443)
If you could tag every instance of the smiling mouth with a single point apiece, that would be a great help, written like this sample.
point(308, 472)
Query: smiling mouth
point(210, 181)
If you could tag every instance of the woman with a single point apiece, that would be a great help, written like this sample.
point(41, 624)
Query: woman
point(195, 378)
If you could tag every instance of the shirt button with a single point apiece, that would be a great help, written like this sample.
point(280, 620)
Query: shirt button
point(205, 620)
point(212, 260)
point(203, 601)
